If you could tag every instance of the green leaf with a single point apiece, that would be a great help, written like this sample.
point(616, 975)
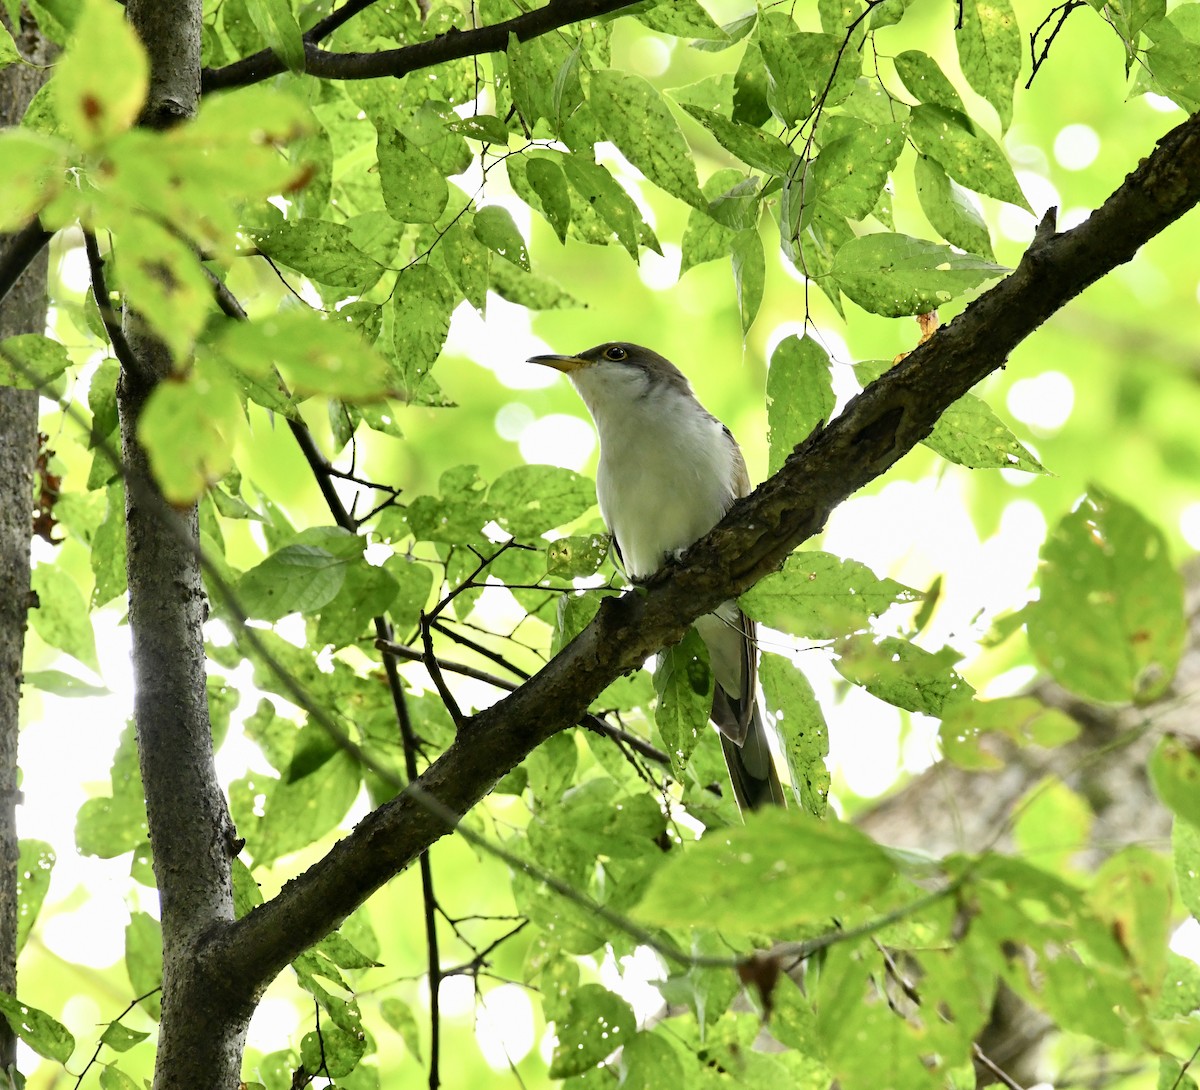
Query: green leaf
point(31, 174)
point(531, 499)
point(528, 289)
point(31, 361)
point(1180, 996)
point(414, 189)
point(549, 182)
point(366, 592)
point(120, 1038)
point(1185, 845)
point(801, 68)
point(896, 275)
point(1174, 768)
point(300, 812)
point(903, 674)
point(108, 548)
point(969, 156)
point(989, 52)
point(315, 356)
point(637, 119)
point(336, 1052)
point(684, 684)
point(163, 279)
point(649, 1062)
point(705, 238)
point(1052, 823)
point(189, 429)
point(821, 596)
point(9, 53)
point(486, 128)
point(1171, 63)
point(787, 85)
point(1024, 720)
point(143, 960)
point(602, 193)
point(110, 826)
point(801, 726)
point(799, 395)
point(421, 308)
point(851, 172)
point(780, 869)
point(413, 582)
point(101, 81)
point(61, 684)
point(1132, 893)
point(295, 579)
point(113, 1078)
point(926, 82)
point(34, 864)
point(466, 261)
point(400, 1017)
point(45, 1035)
point(949, 209)
point(682, 18)
point(970, 434)
point(749, 274)
point(1109, 623)
point(62, 618)
point(496, 229)
point(750, 144)
point(751, 86)
point(321, 251)
point(578, 556)
point(596, 1024)
point(277, 24)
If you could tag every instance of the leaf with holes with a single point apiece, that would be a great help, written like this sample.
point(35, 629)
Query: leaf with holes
point(896, 275)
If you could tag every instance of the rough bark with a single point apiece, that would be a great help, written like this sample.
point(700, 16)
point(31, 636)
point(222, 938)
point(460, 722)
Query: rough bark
point(203, 1028)
point(23, 311)
point(875, 430)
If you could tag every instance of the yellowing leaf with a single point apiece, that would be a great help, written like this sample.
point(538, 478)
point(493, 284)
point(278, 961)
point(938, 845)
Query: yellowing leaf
point(101, 82)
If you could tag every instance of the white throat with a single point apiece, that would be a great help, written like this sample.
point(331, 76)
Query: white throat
point(668, 469)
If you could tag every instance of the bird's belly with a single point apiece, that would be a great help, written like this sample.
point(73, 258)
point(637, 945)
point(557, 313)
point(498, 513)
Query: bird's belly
point(655, 514)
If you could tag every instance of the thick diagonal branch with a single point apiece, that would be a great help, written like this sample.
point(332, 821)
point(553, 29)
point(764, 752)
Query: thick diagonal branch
point(876, 429)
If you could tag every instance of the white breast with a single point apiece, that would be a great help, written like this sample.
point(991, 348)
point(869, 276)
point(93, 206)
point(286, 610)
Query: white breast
point(666, 475)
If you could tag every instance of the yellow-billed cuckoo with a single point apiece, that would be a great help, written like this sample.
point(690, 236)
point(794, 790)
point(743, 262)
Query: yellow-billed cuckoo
point(669, 470)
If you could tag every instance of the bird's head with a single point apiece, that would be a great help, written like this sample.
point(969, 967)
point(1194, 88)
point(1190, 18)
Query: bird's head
point(617, 373)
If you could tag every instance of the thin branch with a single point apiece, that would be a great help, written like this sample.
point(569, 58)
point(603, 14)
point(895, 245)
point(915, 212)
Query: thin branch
point(1062, 11)
point(451, 46)
point(590, 722)
point(429, 659)
point(984, 1060)
point(112, 322)
point(335, 19)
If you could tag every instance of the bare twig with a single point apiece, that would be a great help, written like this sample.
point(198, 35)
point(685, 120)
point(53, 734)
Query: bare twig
point(1062, 11)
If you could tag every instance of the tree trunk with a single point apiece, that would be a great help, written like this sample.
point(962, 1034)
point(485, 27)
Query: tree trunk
point(23, 311)
point(204, 1019)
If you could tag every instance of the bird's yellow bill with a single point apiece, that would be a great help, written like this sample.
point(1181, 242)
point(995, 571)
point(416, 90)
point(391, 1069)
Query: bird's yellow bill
point(566, 364)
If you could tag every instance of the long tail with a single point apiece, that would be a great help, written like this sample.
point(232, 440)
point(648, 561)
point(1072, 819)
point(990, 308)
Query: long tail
point(751, 767)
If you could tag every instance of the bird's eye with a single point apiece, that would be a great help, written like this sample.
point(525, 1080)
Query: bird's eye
point(615, 352)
